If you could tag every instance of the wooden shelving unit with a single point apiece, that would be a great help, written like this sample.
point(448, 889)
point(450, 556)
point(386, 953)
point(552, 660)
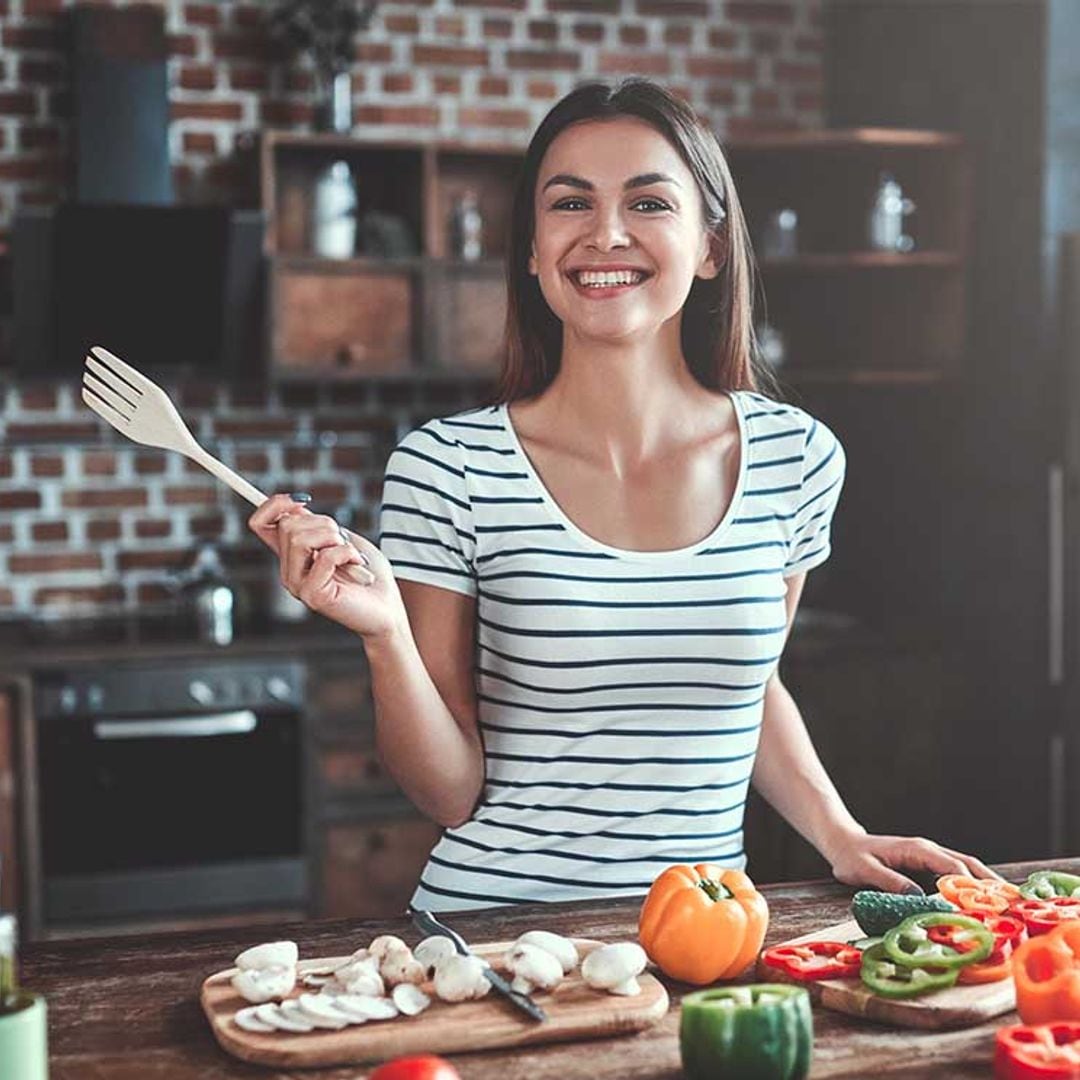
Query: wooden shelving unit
point(847, 314)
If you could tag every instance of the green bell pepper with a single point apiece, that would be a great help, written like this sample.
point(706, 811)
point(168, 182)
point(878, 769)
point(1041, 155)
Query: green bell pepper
point(1043, 884)
point(760, 1032)
point(910, 946)
point(891, 980)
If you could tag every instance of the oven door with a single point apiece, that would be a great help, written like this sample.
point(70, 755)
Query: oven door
point(158, 813)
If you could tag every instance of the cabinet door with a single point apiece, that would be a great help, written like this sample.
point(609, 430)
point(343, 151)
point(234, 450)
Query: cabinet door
point(370, 869)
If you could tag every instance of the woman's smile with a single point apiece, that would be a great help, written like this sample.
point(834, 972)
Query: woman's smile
point(606, 284)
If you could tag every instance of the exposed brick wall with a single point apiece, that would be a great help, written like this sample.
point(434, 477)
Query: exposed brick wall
point(86, 517)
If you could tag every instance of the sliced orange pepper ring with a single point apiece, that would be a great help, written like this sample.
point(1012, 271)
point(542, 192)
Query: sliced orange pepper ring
point(986, 895)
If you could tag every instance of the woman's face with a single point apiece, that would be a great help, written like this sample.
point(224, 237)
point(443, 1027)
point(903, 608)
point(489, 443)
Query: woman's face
point(620, 233)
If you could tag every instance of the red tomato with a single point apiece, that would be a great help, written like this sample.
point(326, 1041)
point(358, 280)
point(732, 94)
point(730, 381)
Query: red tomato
point(425, 1067)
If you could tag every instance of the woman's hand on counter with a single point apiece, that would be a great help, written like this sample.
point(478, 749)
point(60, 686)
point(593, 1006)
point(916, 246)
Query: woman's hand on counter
point(310, 549)
point(874, 861)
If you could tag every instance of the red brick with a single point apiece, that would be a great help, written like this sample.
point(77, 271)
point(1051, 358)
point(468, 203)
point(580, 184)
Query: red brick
point(248, 78)
point(349, 458)
point(200, 142)
point(722, 39)
point(633, 35)
point(252, 461)
point(397, 114)
point(103, 529)
point(505, 5)
point(286, 112)
point(808, 100)
point(39, 137)
point(7, 598)
point(760, 11)
point(33, 398)
point(449, 56)
point(738, 126)
point(300, 81)
point(148, 593)
point(206, 110)
point(249, 16)
point(248, 45)
point(402, 24)
point(98, 463)
point(105, 497)
point(764, 41)
point(447, 84)
point(498, 28)
point(43, 169)
point(542, 60)
point(18, 103)
point(643, 63)
point(450, 26)
point(199, 395)
point(718, 68)
point(153, 528)
point(198, 77)
point(45, 531)
point(183, 45)
point(47, 465)
point(262, 427)
point(207, 526)
point(155, 559)
point(543, 30)
point(328, 493)
point(202, 15)
point(41, 7)
point(35, 69)
point(723, 96)
point(190, 495)
point(397, 82)
point(496, 118)
point(589, 32)
point(33, 37)
point(55, 432)
point(301, 457)
point(763, 100)
point(374, 52)
point(86, 594)
point(7, 466)
point(542, 90)
point(54, 564)
point(809, 43)
point(790, 72)
point(149, 464)
point(19, 500)
point(678, 34)
point(494, 86)
point(41, 196)
point(587, 7)
point(677, 8)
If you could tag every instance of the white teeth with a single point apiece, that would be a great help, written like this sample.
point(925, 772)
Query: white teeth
point(595, 279)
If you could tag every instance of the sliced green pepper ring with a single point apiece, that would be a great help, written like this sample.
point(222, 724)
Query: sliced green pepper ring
point(909, 944)
point(1043, 884)
point(889, 979)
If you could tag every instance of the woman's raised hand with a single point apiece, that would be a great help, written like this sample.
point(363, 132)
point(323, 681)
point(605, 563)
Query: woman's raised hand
point(314, 560)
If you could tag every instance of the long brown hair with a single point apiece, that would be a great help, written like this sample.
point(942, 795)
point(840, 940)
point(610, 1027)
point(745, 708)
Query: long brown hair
point(717, 321)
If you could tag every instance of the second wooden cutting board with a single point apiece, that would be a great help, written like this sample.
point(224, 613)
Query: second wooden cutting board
point(959, 1006)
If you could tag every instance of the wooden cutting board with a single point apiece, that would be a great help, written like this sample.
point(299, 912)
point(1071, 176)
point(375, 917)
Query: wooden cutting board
point(958, 1006)
point(575, 1011)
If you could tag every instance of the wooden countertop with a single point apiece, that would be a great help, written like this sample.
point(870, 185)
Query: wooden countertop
point(127, 1009)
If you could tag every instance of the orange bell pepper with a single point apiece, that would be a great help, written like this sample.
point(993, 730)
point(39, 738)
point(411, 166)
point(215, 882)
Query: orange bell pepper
point(978, 895)
point(1046, 970)
point(702, 923)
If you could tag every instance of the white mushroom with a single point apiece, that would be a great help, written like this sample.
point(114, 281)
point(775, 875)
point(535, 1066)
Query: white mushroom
point(410, 999)
point(432, 951)
point(461, 978)
point(384, 944)
point(247, 1020)
point(533, 969)
point(284, 1021)
point(396, 962)
point(615, 968)
point(361, 977)
point(271, 954)
point(361, 1009)
point(322, 1012)
point(563, 949)
point(264, 984)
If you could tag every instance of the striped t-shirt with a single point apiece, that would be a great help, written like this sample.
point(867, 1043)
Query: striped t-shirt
point(620, 693)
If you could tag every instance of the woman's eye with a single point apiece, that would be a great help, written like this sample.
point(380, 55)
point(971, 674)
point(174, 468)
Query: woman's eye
point(572, 204)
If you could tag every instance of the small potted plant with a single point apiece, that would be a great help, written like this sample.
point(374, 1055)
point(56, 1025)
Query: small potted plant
point(327, 30)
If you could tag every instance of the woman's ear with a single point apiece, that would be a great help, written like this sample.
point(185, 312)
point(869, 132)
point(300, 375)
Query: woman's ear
point(532, 262)
point(714, 254)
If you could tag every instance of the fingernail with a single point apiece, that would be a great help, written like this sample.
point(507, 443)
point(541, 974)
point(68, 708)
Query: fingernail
point(300, 496)
point(914, 889)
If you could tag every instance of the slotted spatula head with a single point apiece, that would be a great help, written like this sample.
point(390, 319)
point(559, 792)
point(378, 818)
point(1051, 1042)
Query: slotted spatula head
point(133, 404)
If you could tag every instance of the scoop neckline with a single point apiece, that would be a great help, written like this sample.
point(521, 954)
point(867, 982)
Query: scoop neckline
point(588, 540)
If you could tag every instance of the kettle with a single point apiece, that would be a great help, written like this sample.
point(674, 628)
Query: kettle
point(209, 595)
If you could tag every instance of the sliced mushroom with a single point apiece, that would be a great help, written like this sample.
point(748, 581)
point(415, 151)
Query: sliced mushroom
point(258, 985)
point(563, 949)
point(247, 1020)
point(361, 1009)
point(461, 978)
point(321, 1012)
point(410, 999)
point(276, 1017)
point(386, 943)
point(316, 981)
point(271, 954)
point(615, 968)
point(400, 966)
point(533, 969)
point(361, 977)
point(432, 951)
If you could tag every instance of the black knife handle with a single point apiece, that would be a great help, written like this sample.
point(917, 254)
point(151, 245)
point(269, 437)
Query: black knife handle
point(428, 924)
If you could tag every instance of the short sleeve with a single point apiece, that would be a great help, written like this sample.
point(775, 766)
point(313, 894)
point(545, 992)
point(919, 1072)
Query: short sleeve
point(822, 479)
point(425, 527)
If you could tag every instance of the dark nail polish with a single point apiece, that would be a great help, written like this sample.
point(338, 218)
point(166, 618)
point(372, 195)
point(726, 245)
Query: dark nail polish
point(914, 890)
point(300, 496)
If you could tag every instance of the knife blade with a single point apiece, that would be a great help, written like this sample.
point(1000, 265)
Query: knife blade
point(428, 924)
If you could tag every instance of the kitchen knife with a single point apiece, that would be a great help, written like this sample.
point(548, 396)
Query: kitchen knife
point(428, 924)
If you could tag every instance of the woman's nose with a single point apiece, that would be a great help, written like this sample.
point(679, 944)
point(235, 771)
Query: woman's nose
point(608, 229)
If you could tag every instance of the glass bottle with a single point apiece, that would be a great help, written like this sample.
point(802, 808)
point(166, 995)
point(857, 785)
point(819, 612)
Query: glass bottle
point(9, 976)
point(467, 227)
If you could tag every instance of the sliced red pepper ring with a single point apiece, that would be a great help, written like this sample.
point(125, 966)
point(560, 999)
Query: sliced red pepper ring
point(1007, 930)
point(1031, 1051)
point(1041, 916)
point(815, 960)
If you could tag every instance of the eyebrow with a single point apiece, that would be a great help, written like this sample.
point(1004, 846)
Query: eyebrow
point(634, 182)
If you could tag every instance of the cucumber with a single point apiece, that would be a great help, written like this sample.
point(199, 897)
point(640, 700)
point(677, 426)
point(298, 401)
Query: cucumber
point(877, 912)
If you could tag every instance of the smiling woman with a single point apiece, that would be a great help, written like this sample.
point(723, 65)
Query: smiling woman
point(584, 589)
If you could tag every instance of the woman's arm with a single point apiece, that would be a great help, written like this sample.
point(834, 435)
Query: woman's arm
point(789, 775)
point(422, 678)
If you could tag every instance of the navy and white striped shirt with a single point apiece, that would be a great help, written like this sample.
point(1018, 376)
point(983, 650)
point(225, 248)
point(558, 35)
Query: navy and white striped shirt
point(620, 692)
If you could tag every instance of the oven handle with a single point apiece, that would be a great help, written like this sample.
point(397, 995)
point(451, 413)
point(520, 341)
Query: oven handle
point(170, 727)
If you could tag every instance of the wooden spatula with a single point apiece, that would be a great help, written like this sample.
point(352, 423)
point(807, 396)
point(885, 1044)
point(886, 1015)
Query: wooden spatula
point(138, 408)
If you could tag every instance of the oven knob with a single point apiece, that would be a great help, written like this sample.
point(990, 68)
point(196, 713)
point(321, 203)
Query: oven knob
point(95, 697)
point(201, 692)
point(278, 688)
point(69, 699)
